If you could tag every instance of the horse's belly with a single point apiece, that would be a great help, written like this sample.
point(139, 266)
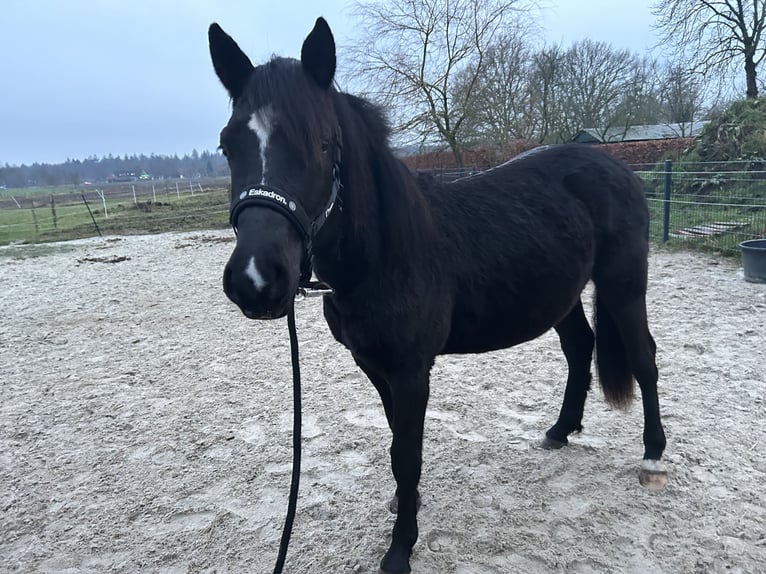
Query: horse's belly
point(502, 316)
point(477, 333)
point(522, 284)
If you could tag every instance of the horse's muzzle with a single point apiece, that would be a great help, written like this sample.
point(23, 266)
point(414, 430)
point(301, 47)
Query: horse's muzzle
point(260, 293)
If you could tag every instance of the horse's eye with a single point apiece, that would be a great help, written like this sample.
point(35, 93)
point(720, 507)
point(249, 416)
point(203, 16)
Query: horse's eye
point(325, 145)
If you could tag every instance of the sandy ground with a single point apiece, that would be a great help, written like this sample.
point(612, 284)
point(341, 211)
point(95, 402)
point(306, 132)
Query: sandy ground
point(145, 427)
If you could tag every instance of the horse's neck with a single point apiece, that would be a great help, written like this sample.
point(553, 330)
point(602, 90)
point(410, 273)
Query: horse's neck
point(383, 225)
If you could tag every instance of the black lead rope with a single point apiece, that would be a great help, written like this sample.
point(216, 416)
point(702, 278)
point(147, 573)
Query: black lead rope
point(276, 199)
point(296, 473)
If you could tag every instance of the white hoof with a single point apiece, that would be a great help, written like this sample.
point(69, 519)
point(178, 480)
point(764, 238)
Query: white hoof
point(653, 474)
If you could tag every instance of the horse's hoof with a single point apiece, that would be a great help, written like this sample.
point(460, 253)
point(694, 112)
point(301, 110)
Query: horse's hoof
point(653, 474)
point(393, 564)
point(553, 444)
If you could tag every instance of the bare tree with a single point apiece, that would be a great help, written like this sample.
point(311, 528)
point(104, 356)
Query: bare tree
point(546, 92)
point(502, 107)
point(641, 98)
point(414, 52)
point(593, 80)
point(713, 35)
point(681, 97)
point(550, 95)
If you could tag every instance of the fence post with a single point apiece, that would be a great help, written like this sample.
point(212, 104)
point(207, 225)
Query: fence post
point(85, 201)
point(34, 218)
point(103, 201)
point(53, 213)
point(666, 202)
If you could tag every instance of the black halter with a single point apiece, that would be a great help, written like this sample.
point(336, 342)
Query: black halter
point(276, 199)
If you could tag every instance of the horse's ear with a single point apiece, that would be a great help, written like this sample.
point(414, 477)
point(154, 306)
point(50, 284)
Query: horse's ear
point(318, 54)
point(231, 64)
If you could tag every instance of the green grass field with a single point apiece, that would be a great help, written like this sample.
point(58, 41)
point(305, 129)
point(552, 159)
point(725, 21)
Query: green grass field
point(207, 210)
point(36, 191)
point(686, 214)
point(702, 199)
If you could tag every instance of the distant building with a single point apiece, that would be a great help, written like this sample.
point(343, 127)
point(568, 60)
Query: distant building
point(639, 133)
point(122, 177)
point(127, 176)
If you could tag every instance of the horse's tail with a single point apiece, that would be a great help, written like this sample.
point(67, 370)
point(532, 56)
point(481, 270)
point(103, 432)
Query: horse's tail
point(614, 374)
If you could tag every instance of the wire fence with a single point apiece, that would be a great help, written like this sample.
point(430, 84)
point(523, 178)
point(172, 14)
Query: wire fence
point(128, 207)
point(694, 205)
point(712, 206)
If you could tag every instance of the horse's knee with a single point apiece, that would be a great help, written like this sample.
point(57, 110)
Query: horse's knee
point(393, 504)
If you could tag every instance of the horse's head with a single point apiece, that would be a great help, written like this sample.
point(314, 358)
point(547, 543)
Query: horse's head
point(282, 143)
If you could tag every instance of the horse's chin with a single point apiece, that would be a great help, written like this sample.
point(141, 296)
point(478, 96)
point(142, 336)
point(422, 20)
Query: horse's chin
point(264, 316)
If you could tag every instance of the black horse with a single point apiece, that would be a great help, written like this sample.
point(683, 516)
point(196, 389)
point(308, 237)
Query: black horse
point(421, 268)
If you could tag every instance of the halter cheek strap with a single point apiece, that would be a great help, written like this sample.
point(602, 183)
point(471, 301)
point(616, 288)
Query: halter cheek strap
point(277, 200)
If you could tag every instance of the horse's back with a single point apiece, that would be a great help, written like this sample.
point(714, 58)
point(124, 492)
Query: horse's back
point(589, 174)
point(524, 238)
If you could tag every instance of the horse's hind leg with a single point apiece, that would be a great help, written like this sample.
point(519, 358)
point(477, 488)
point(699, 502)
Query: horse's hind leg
point(577, 340)
point(640, 350)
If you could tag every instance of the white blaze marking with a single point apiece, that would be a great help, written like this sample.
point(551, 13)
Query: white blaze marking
point(261, 123)
point(255, 276)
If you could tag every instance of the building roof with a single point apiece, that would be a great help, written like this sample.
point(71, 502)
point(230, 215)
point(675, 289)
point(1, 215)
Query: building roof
point(639, 133)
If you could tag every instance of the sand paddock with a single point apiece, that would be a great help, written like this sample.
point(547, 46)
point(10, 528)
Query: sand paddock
point(145, 427)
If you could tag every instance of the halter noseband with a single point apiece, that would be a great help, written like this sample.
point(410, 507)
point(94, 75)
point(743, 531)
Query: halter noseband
point(279, 201)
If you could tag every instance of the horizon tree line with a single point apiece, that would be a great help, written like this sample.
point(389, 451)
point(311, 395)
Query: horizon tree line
point(94, 169)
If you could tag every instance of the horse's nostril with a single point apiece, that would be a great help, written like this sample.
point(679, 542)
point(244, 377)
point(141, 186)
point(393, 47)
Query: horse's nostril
point(278, 277)
point(230, 287)
point(227, 278)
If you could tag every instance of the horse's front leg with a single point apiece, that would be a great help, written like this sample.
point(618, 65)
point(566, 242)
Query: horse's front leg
point(409, 394)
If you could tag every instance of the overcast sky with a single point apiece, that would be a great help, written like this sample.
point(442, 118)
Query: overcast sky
point(93, 77)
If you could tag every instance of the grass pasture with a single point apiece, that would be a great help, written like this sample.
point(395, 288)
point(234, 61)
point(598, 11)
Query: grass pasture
point(708, 210)
point(713, 225)
point(60, 214)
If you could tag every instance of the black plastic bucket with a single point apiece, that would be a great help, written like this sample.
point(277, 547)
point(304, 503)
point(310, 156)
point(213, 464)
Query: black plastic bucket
point(754, 260)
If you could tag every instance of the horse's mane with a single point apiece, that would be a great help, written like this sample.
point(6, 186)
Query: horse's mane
point(380, 190)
